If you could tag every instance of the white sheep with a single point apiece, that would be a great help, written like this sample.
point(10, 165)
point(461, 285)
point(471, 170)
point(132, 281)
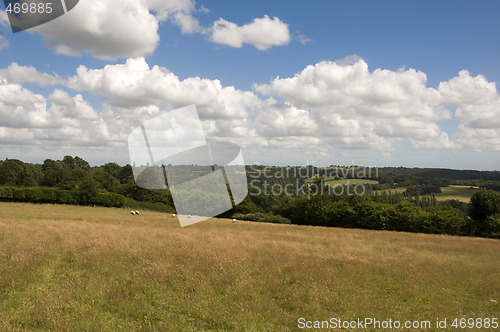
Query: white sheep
point(234, 220)
point(136, 212)
point(132, 212)
point(189, 216)
point(173, 215)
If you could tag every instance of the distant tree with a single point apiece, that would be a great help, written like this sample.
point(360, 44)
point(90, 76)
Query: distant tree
point(105, 180)
point(484, 204)
point(52, 172)
point(113, 169)
point(71, 162)
point(126, 174)
point(87, 191)
point(11, 171)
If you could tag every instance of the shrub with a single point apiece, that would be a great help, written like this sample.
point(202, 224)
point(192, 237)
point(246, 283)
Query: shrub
point(6, 193)
point(262, 217)
point(110, 200)
point(18, 194)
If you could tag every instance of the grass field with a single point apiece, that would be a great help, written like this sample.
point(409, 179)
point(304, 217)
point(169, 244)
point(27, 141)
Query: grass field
point(84, 268)
point(461, 193)
point(332, 182)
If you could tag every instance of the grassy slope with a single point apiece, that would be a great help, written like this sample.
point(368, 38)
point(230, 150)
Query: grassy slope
point(461, 193)
point(83, 268)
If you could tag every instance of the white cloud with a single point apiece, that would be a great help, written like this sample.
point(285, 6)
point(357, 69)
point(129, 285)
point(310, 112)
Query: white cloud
point(135, 84)
point(465, 89)
point(477, 104)
point(129, 28)
point(4, 19)
point(327, 107)
point(58, 121)
point(4, 43)
point(303, 39)
point(356, 108)
point(135, 93)
point(21, 108)
point(263, 33)
point(105, 29)
point(24, 74)
point(76, 108)
point(479, 139)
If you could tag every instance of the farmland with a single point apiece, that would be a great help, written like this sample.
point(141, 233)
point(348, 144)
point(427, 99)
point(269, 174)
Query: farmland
point(96, 268)
point(461, 193)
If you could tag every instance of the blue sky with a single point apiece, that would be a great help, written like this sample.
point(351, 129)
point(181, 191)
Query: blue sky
point(377, 83)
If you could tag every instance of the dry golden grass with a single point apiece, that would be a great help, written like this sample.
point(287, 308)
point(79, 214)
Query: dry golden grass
point(84, 268)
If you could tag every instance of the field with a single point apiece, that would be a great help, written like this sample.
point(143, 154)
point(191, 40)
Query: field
point(342, 182)
point(91, 268)
point(461, 193)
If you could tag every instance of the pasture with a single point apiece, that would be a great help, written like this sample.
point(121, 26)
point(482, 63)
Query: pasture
point(342, 182)
point(461, 193)
point(92, 268)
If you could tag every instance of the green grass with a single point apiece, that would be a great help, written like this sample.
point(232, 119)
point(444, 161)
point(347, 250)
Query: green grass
point(332, 182)
point(461, 193)
point(88, 269)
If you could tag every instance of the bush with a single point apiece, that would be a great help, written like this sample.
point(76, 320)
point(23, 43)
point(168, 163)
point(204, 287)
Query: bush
point(262, 217)
point(58, 196)
point(66, 197)
point(446, 220)
point(18, 194)
point(110, 200)
point(132, 204)
point(6, 193)
point(493, 226)
point(31, 195)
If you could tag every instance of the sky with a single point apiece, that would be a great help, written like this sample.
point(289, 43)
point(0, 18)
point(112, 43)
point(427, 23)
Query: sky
point(373, 83)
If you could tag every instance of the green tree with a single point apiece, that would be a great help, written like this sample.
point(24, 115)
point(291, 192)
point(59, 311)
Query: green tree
point(483, 204)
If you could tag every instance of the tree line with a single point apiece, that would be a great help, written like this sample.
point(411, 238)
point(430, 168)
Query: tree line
point(73, 181)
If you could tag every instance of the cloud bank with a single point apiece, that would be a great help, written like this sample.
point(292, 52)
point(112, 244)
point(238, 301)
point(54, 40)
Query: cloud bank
point(326, 107)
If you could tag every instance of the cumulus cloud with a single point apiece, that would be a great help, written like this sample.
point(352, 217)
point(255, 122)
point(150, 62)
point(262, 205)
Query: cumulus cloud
point(129, 28)
point(325, 107)
point(355, 107)
point(105, 29)
point(262, 33)
point(137, 92)
point(28, 74)
point(21, 108)
point(27, 118)
point(477, 104)
point(73, 107)
point(135, 84)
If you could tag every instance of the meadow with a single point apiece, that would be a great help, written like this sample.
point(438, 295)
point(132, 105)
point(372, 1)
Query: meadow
point(461, 193)
point(342, 182)
point(95, 268)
